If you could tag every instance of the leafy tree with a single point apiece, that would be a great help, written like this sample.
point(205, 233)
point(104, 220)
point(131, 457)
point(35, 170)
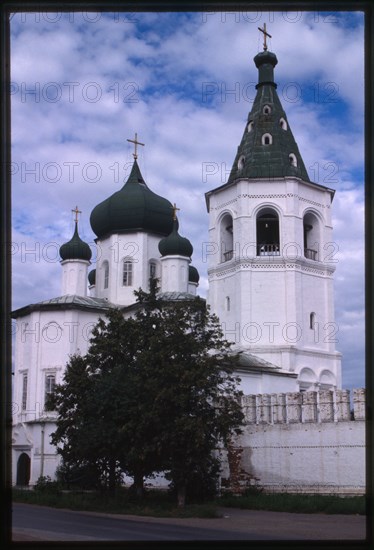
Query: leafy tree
point(196, 400)
point(154, 393)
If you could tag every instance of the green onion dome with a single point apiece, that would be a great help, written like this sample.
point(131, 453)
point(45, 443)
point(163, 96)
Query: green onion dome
point(134, 208)
point(174, 244)
point(193, 274)
point(92, 277)
point(75, 249)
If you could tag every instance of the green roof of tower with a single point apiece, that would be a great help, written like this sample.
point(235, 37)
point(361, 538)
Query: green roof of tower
point(268, 148)
point(75, 249)
point(134, 208)
point(92, 277)
point(174, 244)
point(193, 274)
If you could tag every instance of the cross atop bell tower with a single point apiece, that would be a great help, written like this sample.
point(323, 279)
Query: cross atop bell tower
point(266, 34)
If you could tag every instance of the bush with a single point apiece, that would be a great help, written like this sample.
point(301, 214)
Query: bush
point(45, 484)
point(81, 476)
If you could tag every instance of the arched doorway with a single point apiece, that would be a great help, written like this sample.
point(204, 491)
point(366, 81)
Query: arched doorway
point(23, 469)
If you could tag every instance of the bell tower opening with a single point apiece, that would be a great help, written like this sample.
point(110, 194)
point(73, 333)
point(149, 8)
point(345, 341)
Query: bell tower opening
point(267, 230)
point(311, 236)
point(227, 238)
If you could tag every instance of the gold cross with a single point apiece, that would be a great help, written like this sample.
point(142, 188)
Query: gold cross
point(265, 35)
point(76, 213)
point(174, 207)
point(136, 143)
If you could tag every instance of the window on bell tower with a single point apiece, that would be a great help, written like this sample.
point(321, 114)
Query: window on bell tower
point(311, 228)
point(267, 230)
point(267, 139)
point(227, 238)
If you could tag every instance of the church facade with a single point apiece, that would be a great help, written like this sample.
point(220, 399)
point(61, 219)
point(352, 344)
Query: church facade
point(270, 278)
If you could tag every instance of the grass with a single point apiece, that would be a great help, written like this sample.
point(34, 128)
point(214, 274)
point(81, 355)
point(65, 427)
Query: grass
point(296, 503)
point(162, 504)
point(155, 503)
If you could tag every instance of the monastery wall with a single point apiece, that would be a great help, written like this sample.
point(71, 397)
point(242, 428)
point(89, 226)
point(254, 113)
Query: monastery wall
point(300, 442)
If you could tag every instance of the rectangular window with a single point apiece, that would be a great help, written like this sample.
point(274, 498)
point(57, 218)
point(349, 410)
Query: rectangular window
point(50, 383)
point(24, 392)
point(127, 274)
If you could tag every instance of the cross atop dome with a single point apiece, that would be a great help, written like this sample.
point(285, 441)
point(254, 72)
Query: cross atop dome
point(136, 143)
point(76, 211)
point(175, 209)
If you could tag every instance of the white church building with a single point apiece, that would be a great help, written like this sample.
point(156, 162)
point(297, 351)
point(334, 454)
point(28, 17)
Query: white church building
point(270, 277)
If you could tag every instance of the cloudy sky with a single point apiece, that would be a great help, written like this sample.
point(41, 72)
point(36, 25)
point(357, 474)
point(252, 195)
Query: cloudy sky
point(82, 83)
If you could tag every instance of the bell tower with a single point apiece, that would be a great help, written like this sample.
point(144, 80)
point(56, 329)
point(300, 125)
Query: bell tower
point(271, 255)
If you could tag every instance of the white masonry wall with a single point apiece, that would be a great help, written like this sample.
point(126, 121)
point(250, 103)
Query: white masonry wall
point(302, 442)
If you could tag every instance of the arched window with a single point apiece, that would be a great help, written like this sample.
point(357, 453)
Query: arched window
point(267, 226)
point(292, 158)
point(127, 273)
point(241, 162)
point(266, 110)
point(306, 379)
point(152, 269)
point(106, 274)
point(250, 126)
point(327, 380)
point(311, 228)
point(227, 303)
point(227, 238)
point(267, 139)
point(283, 123)
point(23, 469)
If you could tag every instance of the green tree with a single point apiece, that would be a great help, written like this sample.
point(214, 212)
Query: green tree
point(154, 393)
point(196, 400)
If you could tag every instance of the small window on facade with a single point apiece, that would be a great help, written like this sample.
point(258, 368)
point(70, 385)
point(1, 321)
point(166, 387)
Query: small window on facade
point(283, 124)
point(250, 126)
point(24, 392)
point(267, 139)
point(241, 162)
point(292, 159)
point(312, 320)
point(50, 383)
point(127, 273)
point(266, 110)
point(227, 303)
point(106, 274)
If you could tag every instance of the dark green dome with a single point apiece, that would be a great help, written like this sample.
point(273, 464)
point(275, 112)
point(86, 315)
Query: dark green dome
point(174, 244)
point(92, 277)
point(134, 208)
point(75, 249)
point(193, 274)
